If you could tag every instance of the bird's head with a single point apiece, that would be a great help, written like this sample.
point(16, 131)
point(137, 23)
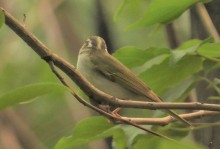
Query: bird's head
point(94, 44)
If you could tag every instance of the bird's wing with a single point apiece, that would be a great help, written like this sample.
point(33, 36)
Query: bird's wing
point(117, 72)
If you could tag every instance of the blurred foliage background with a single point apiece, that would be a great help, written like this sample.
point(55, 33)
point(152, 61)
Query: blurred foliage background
point(63, 26)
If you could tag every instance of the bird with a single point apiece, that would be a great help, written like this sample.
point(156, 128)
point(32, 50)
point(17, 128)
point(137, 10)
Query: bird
point(109, 75)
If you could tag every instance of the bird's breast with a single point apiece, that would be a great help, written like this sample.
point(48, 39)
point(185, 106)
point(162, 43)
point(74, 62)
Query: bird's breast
point(87, 69)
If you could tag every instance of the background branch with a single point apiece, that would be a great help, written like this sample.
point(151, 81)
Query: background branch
point(207, 21)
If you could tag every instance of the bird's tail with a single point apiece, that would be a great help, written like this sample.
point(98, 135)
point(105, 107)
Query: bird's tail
point(176, 116)
point(153, 97)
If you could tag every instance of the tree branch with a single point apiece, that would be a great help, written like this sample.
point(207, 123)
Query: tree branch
point(168, 119)
point(86, 86)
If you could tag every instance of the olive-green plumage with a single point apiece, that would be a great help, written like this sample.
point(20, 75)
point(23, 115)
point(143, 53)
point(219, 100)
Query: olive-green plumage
point(109, 75)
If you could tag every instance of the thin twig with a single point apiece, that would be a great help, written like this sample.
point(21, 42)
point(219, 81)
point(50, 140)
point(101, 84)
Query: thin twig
point(166, 120)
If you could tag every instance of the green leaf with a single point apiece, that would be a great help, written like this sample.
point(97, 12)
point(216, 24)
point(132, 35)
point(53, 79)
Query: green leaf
point(119, 9)
point(189, 43)
point(174, 130)
point(164, 76)
point(177, 55)
point(146, 142)
point(131, 8)
point(189, 47)
point(133, 57)
point(92, 129)
point(143, 141)
point(28, 93)
point(163, 11)
point(154, 61)
point(180, 89)
point(180, 145)
point(2, 18)
point(210, 50)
